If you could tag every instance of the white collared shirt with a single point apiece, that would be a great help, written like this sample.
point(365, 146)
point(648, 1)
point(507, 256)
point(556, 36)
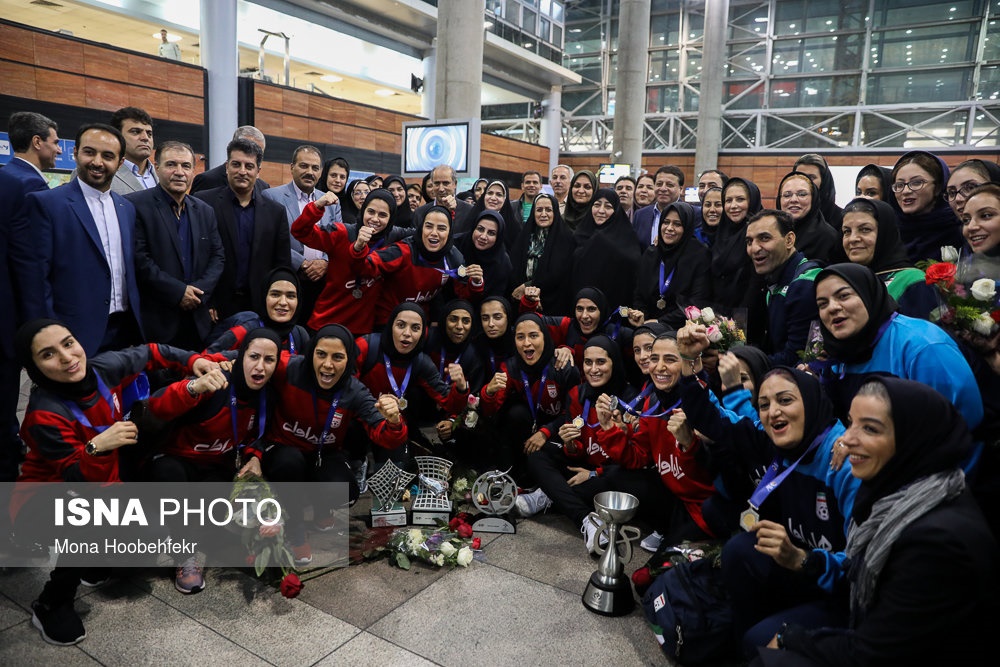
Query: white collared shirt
point(146, 180)
point(102, 209)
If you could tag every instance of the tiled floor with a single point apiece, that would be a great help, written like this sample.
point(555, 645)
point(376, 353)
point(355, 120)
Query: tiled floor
point(519, 603)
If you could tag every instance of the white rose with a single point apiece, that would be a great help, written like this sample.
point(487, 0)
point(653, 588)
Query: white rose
point(464, 556)
point(983, 325)
point(447, 548)
point(461, 484)
point(707, 315)
point(983, 289)
point(949, 253)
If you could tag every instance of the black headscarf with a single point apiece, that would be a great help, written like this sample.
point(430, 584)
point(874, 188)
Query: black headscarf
point(931, 437)
point(22, 349)
point(818, 411)
point(450, 347)
point(731, 266)
point(884, 176)
point(878, 303)
point(672, 395)
point(349, 211)
point(495, 261)
point(814, 238)
point(342, 334)
point(575, 213)
point(925, 233)
point(609, 258)
point(890, 253)
point(827, 188)
point(757, 360)
point(386, 196)
point(374, 177)
point(511, 219)
point(516, 363)
point(418, 236)
point(466, 195)
point(615, 386)
point(550, 274)
point(236, 374)
point(401, 214)
point(386, 343)
point(670, 255)
point(502, 346)
point(321, 183)
point(280, 328)
point(601, 301)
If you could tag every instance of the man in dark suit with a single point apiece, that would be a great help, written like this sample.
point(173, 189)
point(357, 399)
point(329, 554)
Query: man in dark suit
point(442, 187)
point(178, 253)
point(254, 232)
point(36, 146)
point(216, 176)
point(669, 184)
point(84, 236)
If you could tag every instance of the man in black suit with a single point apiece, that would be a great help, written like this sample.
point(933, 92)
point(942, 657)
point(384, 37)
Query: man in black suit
point(253, 229)
point(442, 187)
point(216, 176)
point(178, 253)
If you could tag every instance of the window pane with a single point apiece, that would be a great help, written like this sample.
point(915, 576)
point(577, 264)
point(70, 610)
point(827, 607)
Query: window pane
point(754, 98)
point(939, 45)
point(802, 16)
point(662, 99)
point(991, 47)
point(989, 83)
point(834, 91)
point(839, 130)
point(693, 65)
point(663, 66)
point(945, 131)
point(589, 67)
point(664, 30)
point(895, 13)
point(691, 98)
point(528, 21)
point(747, 21)
point(746, 58)
point(590, 99)
point(939, 85)
point(818, 54)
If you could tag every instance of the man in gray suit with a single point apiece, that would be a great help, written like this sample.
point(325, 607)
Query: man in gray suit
point(306, 166)
point(137, 172)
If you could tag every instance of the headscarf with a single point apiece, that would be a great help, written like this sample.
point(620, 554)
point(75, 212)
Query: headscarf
point(236, 374)
point(827, 188)
point(575, 212)
point(730, 264)
point(388, 346)
point(23, 339)
point(280, 328)
point(511, 219)
point(880, 306)
point(321, 184)
point(495, 261)
point(386, 196)
point(925, 233)
point(401, 214)
point(349, 211)
point(890, 253)
point(516, 363)
point(615, 386)
point(814, 238)
point(504, 345)
point(466, 195)
point(374, 177)
point(818, 412)
point(884, 176)
point(757, 361)
point(557, 247)
point(450, 347)
point(342, 334)
point(601, 301)
point(609, 258)
point(672, 395)
point(418, 236)
point(669, 255)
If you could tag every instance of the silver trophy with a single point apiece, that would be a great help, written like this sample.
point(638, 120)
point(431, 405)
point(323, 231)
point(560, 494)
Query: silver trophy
point(388, 486)
point(432, 505)
point(493, 495)
point(609, 591)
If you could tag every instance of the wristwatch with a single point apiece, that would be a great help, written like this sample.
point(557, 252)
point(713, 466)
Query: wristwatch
point(91, 448)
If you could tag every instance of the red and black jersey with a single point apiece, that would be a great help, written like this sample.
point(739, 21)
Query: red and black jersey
point(302, 413)
point(293, 344)
point(585, 451)
point(547, 400)
point(565, 333)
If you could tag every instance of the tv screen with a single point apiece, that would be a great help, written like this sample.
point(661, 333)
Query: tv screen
point(427, 145)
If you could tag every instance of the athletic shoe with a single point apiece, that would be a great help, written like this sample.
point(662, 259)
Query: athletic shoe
point(530, 504)
point(98, 580)
point(190, 576)
point(592, 526)
point(60, 626)
point(652, 542)
point(360, 469)
point(325, 523)
point(302, 553)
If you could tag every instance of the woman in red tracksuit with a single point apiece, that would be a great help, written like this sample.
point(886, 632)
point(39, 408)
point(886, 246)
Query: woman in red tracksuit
point(416, 268)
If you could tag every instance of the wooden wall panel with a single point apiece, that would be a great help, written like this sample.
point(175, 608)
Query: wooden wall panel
point(61, 88)
point(105, 64)
point(106, 95)
point(17, 80)
point(53, 52)
point(184, 109)
point(16, 45)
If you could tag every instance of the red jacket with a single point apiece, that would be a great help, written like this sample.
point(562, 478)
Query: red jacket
point(550, 404)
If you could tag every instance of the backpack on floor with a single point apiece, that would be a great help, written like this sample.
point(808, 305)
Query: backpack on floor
point(690, 613)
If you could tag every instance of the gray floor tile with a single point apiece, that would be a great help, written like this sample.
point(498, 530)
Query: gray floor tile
point(504, 618)
point(22, 645)
point(11, 613)
point(367, 649)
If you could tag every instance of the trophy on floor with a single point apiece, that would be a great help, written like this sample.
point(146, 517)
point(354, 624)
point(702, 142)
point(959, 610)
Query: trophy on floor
point(493, 494)
point(609, 591)
point(388, 486)
point(432, 505)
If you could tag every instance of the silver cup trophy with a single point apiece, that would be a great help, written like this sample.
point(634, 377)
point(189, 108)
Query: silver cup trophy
point(609, 591)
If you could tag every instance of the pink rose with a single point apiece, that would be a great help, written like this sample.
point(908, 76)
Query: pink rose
point(692, 312)
point(714, 334)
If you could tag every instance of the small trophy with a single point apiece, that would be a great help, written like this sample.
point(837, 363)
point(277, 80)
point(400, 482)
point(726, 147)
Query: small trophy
point(493, 495)
point(609, 591)
point(431, 505)
point(387, 486)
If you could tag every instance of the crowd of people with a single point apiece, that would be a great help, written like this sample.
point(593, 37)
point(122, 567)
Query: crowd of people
point(848, 453)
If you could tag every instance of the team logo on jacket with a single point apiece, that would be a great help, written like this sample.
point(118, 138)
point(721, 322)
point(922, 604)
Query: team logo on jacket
point(822, 509)
point(337, 418)
point(669, 467)
point(552, 389)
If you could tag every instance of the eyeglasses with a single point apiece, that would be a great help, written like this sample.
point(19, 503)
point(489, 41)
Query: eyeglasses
point(801, 194)
point(915, 185)
point(951, 193)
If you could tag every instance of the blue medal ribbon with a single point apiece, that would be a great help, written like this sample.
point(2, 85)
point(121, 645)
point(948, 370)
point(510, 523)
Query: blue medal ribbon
point(772, 479)
point(108, 397)
point(458, 359)
point(392, 380)
point(327, 425)
point(665, 284)
point(291, 337)
point(534, 403)
point(261, 418)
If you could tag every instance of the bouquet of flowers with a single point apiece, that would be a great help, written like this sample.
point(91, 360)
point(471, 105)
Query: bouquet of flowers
point(723, 333)
point(469, 417)
point(439, 546)
point(972, 309)
point(460, 491)
point(265, 542)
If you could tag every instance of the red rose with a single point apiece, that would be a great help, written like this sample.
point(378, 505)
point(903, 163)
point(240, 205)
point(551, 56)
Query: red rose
point(942, 272)
point(251, 559)
point(996, 316)
point(455, 523)
point(291, 585)
point(465, 530)
point(641, 577)
point(477, 543)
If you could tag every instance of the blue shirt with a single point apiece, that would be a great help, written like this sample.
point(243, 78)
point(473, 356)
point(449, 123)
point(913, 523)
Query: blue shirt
point(244, 216)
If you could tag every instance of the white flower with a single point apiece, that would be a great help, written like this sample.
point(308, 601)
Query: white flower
point(461, 484)
point(437, 559)
point(447, 548)
point(707, 315)
point(983, 325)
point(983, 289)
point(713, 333)
point(464, 556)
point(949, 253)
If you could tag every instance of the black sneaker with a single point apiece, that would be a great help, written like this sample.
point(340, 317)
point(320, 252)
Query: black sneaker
point(60, 626)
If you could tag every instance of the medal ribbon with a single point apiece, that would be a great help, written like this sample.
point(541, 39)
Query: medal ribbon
point(327, 424)
point(772, 479)
point(665, 284)
point(534, 403)
point(108, 398)
point(261, 416)
point(392, 380)
point(291, 337)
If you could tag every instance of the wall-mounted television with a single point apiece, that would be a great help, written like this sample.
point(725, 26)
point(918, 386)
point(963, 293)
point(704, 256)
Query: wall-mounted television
point(427, 144)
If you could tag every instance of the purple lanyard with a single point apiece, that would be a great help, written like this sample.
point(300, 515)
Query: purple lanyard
point(534, 403)
point(448, 271)
point(629, 406)
point(291, 338)
point(108, 397)
point(586, 414)
point(772, 480)
point(658, 415)
point(327, 425)
point(261, 415)
point(665, 284)
point(458, 359)
point(392, 380)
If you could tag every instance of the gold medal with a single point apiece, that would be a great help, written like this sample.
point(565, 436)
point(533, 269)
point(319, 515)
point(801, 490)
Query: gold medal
point(749, 519)
point(578, 423)
point(402, 403)
point(623, 311)
point(462, 271)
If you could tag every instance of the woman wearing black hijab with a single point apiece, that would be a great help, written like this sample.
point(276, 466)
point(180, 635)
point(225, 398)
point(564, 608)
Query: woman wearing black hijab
point(926, 221)
point(814, 238)
point(486, 246)
point(582, 190)
point(815, 166)
point(496, 197)
point(874, 182)
point(350, 207)
point(871, 238)
point(543, 256)
point(451, 343)
point(592, 316)
point(923, 570)
point(608, 259)
point(396, 185)
point(731, 269)
point(672, 272)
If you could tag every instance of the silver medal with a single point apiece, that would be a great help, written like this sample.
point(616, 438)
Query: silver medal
point(402, 403)
point(357, 294)
point(661, 304)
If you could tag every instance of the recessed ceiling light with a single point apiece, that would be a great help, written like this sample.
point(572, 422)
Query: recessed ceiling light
point(331, 78)
point(385, 92)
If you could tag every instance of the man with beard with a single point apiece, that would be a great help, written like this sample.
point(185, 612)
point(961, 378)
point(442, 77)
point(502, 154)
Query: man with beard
point(85, 242)
point(137, 172)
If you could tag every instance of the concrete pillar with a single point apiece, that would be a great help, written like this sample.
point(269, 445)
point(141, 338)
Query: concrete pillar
point(429, 73)
point(713, 65)
point(551, 125)
point(459, 67)
point(220, 56)
point(630, 89)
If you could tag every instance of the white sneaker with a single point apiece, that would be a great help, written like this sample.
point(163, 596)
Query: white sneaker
point(591, 528)
point(652, 542)
point(530, 504)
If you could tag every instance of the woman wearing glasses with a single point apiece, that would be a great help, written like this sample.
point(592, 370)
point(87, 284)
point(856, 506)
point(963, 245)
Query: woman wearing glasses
point(966, 177)
point(799, 197)
point(926, 222)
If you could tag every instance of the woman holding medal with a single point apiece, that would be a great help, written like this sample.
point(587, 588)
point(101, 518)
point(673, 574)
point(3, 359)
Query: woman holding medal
point(787, 562)
point(672, 272)
point(591, 316)
point(416, 268)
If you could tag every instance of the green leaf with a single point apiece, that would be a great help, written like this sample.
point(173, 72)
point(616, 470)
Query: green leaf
point(262, 561)
point(402, 561)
